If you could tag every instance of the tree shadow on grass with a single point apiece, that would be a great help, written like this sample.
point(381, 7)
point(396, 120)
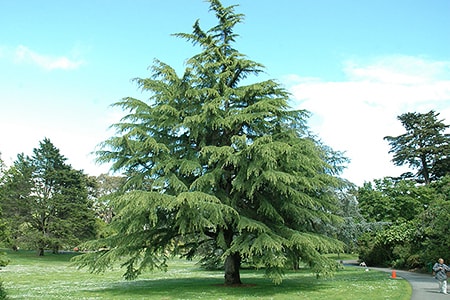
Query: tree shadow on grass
point(349, 283)
point(201, 288)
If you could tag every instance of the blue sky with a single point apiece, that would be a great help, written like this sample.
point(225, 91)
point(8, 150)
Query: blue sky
point(355, 65)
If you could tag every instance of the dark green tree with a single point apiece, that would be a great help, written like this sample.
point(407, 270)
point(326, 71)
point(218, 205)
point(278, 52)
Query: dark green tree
point(3, 236)
point(218, 169)
point(16, 186)
point(390, 200)
point(436, 222)
point(3, 293)
point(46, 200)
point(425, 146)
point(393, 207)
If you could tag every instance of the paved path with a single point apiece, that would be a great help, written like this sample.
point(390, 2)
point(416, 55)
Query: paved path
point(424, 286)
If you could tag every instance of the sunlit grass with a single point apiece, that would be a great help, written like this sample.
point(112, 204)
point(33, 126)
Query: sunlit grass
point(53, 277)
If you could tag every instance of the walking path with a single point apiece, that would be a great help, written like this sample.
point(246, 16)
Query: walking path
point(424, 286)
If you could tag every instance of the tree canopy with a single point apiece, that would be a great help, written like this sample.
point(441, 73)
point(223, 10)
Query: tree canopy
point(45, 201)
point(425, 146)
point(408, 222)
point(218, 169)
point(409, 213)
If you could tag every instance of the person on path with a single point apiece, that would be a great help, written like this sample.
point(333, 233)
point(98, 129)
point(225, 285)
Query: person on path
point(440, 269)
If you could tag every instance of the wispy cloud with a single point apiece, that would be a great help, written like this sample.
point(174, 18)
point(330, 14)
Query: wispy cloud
point(397, 69)
point(355, 114)
point(23, 54)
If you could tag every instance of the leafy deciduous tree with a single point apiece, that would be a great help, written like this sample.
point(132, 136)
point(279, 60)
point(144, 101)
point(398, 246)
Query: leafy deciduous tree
point(436, 223)
point(396, 207)
point(390, 200)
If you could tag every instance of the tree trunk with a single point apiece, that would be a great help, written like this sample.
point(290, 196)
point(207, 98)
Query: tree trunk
point(296, 263)
point(41, 251)
point(232, 269)
point(425, 172)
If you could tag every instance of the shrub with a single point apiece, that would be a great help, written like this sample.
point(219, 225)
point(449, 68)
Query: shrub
point(4, 261)
point(3, 294)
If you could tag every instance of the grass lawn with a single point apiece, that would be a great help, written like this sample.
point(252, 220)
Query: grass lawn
point(53, 277)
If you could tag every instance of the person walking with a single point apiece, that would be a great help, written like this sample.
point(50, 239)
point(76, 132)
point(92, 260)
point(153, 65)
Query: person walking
point(440, 269)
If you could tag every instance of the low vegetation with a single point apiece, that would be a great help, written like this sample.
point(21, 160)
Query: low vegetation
point(53, 277)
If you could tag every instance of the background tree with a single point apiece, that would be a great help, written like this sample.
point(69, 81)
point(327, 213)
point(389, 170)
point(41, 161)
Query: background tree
point(103, 189)
point(14, 199)
point(46, 200)
point(4, 230)
point(436, 223)
point(214, 164)
point(394, 208)
point(412, 216)
point(354, 223)
point(391, 200)
point(3, 226)
point(3, 235)
point(425, 146)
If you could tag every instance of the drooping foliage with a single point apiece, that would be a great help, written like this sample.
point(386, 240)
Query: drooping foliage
point(218, 169)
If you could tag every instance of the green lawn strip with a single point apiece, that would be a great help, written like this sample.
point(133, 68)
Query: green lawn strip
point(52, 277)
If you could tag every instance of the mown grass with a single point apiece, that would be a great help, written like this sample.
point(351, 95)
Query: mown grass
point(53, 277)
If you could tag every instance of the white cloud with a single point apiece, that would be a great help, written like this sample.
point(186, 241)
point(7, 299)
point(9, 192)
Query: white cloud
point(23, 54)
point(404, 70)
point(354, 115)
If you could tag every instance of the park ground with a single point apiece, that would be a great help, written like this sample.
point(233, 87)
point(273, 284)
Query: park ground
point(54, 277)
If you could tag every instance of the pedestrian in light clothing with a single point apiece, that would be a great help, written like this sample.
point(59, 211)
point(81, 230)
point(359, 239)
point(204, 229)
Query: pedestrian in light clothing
point(440, 269)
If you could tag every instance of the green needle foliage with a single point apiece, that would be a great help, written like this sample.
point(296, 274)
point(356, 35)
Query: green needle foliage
point(425, 146)
point(218, 169)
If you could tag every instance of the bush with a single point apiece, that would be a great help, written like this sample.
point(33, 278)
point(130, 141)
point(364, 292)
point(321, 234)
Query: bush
point(3, 294)
point(373, 252)
point(4, 261)
point(414, 261)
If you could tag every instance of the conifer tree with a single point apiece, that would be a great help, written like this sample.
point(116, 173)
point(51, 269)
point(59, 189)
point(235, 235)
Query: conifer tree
point(217, 168)
point(424, 146)
point(45, 201)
